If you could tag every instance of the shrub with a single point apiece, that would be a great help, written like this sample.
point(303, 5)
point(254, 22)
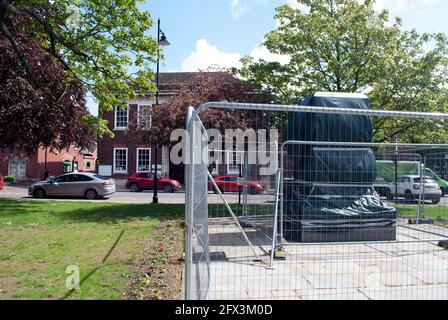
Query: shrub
point(9, 179)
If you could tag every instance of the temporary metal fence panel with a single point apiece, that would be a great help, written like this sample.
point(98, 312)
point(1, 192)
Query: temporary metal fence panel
point(331, 219)
point(197, 275)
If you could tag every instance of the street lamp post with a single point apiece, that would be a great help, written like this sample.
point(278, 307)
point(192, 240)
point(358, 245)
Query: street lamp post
point(161, 41)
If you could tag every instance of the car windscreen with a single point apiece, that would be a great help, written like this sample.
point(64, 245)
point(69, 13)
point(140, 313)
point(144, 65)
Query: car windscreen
point(101, 177)
point(425, 180)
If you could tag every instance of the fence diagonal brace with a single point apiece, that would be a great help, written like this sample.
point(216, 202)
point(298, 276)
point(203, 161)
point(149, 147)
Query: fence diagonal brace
point(233, 215)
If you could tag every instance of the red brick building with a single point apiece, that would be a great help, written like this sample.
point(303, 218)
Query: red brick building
point(31, 167)
point(126, 153)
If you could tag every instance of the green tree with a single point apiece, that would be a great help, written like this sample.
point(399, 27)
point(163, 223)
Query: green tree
point(346, 46)
point(102, 43)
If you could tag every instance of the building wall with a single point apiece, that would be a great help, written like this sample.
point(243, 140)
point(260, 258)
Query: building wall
point(125, 139)
point(35, 162)
point(169, 85)
point(7, 155)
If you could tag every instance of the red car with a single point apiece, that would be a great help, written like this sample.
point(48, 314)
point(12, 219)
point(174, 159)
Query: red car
point(233, 184)
point(2, 184)
point(140, 181)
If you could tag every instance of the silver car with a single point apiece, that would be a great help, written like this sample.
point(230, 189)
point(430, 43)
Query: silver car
point(88, 185)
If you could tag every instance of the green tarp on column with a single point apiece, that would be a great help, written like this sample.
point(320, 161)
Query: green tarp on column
point(330, 195)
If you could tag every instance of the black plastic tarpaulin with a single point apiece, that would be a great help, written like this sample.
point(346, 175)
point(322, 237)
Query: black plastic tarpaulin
point(330, 195)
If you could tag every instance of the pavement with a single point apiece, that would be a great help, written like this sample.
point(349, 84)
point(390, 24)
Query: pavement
point(412, 268)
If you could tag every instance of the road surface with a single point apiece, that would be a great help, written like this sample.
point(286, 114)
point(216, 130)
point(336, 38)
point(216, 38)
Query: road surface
point(21, 193)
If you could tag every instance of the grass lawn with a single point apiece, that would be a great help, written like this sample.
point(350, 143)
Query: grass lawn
point(438, 212)
point(39, 239)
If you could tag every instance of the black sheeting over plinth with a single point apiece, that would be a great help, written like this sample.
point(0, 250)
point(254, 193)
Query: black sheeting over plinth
point(331, 197)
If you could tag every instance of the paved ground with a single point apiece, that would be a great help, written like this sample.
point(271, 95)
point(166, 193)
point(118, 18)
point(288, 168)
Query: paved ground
point(413, 267)
point(121, 196)
point(137, 197)
point(124, 196)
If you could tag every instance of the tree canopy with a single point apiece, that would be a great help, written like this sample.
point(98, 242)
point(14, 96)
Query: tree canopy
point(205, 86)
point(47, 110)
point(103, 44)
point(346, 46)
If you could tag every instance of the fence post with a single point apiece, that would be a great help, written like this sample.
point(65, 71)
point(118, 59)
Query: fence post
point(189, 203)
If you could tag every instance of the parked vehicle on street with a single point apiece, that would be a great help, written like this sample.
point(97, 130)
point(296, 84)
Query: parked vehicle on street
point(443, 184)
point(140, 181)
point(235, 184)
point(88, 185)
point(385, 174)
point(2, 184)
point(411, 186)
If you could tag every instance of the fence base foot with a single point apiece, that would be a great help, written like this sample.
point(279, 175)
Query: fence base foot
point(279, 254)
point(420, 221)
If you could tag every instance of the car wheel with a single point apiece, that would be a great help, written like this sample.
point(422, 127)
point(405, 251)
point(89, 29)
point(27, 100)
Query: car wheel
point(168, 188)
point(39, 193)
point(216, 191)
point(435, 201)
point(408, 195)
point(134, 187)
point(389, 194)
point(253, 191)
point(91, 194)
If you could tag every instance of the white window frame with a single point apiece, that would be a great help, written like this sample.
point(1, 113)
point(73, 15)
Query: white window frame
point(137, 159)
point(10, 173)
point(115, 119)
point(233, 172)
point(139, 116)
point(215, 170)
point(84, 164)
point(127, 157)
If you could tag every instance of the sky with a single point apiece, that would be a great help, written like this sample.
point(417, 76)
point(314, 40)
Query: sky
point(220, 32)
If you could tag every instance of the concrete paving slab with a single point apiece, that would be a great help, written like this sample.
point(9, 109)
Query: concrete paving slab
point(406, 269)
point(334, 294)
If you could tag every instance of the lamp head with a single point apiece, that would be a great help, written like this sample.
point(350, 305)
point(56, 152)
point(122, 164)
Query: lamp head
point(163, 41)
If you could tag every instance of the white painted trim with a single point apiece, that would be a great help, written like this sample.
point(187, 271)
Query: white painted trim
point(127, 157)
point(142, 100)
point(215, 170)
point(228, 162)
point(115, 119)
point(165, 161)
point(136, 159)
point(10, 173)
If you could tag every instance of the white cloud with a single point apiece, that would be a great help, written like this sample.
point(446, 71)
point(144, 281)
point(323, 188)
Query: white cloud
point(206, 55)
point(262, 53)
point(393, 5)
point(238, 8)
point(297, 5)
point(379, 5)
point(431, 2)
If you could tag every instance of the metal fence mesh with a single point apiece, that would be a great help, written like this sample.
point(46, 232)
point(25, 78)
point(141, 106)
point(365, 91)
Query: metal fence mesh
point(334, 219)
point(197, 253)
